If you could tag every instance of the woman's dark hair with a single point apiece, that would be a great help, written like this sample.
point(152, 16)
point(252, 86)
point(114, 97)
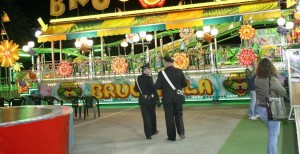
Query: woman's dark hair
point(265, 69)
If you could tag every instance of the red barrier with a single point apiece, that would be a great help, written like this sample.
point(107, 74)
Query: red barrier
point(46, 136)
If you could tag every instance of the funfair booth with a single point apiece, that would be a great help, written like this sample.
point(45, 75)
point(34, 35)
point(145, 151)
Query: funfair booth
point(214, 71)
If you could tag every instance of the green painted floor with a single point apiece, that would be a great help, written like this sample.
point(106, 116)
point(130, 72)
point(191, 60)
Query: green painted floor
point(250, 137)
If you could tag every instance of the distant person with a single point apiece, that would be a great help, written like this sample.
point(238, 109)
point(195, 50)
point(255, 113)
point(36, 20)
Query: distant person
point(266, 72)
point(147, 100)
point(250, 75)
point(172, 99)
point(2, 101)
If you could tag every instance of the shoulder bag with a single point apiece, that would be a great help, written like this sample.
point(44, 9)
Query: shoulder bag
point(275, 107)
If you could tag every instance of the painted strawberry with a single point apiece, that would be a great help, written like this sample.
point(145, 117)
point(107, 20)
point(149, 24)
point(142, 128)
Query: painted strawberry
point(152, 3)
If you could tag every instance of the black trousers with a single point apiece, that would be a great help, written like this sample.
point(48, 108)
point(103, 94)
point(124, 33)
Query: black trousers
point(149, 119)
point(173, 116)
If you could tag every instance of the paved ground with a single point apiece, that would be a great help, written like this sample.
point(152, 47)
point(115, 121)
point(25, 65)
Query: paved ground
point(120, 131)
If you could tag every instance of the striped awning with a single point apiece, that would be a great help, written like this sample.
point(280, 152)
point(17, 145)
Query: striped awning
point(161, 22)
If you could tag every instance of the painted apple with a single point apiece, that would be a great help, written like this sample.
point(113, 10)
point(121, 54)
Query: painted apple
point(152, 3)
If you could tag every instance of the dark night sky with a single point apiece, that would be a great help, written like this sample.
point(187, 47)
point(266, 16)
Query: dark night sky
point(34, 9)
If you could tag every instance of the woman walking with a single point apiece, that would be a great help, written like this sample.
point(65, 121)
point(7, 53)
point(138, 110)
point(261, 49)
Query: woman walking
point(266, 80)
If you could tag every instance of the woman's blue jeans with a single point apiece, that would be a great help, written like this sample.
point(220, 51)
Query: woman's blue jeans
point(253, 106)
point(273, 131)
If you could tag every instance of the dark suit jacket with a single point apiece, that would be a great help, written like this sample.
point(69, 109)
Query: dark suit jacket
point(178, 79)
point(147, 86)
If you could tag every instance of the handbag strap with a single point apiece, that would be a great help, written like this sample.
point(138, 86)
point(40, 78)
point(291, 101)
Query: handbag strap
point(166, 77)
point(269, 112)
point(137, 83)
point(269, 86)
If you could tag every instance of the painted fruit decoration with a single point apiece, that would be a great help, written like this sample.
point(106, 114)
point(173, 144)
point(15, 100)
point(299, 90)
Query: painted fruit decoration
point(152, 3)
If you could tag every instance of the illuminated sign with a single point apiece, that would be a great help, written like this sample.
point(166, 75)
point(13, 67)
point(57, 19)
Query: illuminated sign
point(121, 89)
point(111, 90)
point(57, 7)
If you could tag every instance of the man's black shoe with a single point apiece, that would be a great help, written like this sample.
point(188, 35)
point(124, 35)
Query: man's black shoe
point(148, 137)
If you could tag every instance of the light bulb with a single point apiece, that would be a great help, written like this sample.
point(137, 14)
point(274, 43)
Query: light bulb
point(206, 29)
point(25, 48)
point(77, 44)
point(136, 38)
point(214, 32)
point(149, 37)
point(289, 25)
point(124, 43)
point(30, 44)
point(142, 34)
point(90, 43)
point(38, 33)
point(199, 34)
point(281, 21)
point(83, 40)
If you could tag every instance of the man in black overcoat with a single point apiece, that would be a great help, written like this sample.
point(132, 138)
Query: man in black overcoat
point(172, 99)
point(147, 100)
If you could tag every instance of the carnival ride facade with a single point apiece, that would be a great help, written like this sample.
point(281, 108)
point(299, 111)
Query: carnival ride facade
point(214, 71)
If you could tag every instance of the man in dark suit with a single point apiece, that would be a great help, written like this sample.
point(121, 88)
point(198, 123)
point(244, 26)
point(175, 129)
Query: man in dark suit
point(172, 98)
point(147, 100)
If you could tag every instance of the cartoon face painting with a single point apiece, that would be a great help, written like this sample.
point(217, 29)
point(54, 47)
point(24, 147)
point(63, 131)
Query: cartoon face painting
point(236, 84)
point(67, 89)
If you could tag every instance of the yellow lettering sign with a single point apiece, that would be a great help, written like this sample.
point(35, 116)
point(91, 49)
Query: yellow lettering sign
point(126, 90)
point(109, 90)
point(122, 90)
point(190, 91)
point(132, 91)
point(57, 7)
point(96, 90)
point(100, 4)
point(73, 3)
point(205, 86)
